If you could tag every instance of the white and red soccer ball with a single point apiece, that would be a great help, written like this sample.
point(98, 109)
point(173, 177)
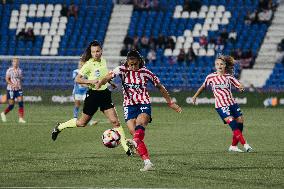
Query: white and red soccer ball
point(111, 138)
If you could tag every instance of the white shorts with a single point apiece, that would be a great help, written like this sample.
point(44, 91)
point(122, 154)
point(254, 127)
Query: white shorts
point(79, 97)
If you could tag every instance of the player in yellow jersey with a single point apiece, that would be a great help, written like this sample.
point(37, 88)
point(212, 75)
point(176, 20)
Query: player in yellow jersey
point(95, 68)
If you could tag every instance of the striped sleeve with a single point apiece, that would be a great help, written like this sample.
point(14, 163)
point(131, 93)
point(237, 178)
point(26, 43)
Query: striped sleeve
point(8, 73)
point(235, 82)
point(205, 83)
point(74, 74)
point(153, 78)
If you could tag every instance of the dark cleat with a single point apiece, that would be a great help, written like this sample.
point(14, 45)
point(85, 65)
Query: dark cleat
point(55, 132)
point(129, 152)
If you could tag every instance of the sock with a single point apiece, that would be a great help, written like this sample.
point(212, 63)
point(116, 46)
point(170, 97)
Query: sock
point(8, 109)
point(68, 124)
point(21, 109)
point(146, 161)
point(75, 112)
point(138, 138)
point(241, 126)
point(122, 138)
point(235, 141)
point(239, 136)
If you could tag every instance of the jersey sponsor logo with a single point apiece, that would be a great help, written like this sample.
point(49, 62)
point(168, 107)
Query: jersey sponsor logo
point(221, 86)
point(143, 108)
point(132, 86)
point(97, 73)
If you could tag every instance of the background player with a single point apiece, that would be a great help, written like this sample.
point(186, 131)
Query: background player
point(137, 106)
point(14, 76)
point(95, 68)
point(226, 106)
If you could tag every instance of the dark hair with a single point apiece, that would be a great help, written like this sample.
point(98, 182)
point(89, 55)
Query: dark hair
point(87, 53)
point(229, 61)
point(134, 54)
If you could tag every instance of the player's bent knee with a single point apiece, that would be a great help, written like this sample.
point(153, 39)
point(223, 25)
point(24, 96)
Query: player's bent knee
point(80, 123)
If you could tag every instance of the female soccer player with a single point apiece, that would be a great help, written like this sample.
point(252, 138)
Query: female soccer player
point(14, 76)
point(95, 68)
point(226, 106)
point(137, 106)
point(79, 93)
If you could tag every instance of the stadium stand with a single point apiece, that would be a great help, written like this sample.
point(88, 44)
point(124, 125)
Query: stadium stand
point(65, 36)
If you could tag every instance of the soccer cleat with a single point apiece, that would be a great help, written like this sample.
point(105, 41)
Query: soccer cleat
point(3, 117)
point(148, 167)
point(21, 120)
point(234, 149)
point(131, 147)
point(55, 132)
point(247, 148)
point(93, 123)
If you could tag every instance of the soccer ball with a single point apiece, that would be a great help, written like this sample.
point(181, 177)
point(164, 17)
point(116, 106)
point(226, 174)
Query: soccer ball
point(111, 138)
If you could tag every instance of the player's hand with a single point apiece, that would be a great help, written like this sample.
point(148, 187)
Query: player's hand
point(175, 107)
point(194, 100)
point(98, 84)
point(242, 88)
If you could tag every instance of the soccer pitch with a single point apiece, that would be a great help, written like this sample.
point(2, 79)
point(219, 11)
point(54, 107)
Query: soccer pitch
point(188, 150)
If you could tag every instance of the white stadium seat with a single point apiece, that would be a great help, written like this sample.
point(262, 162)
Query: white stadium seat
point(227, 14)
point(41, 7)
point(176, 52)
point(180, 39)
point(206, 27)
point(33, 7)
point(45, 51)
point(53, 51)
point(44, 32)
point(202, 52)
point(45, 25)
point(195, 45)
point(185, 14)
point(56, 14)
point(204, 32)
point(62, 26)
point(193, 15)
point(24, 7)
point(48, 38)
point(48, 14)
point(210, 15)
point(22, 19)
point(197, 27)
point(195, 33)
point(63, 19)
point(204, 8)
point(208, 21)
point(187, 33)
point(212, 8)
point(14, 19)
point(15, 13)
point(177, 15)
point(214, 27)
point(219, 15)
point(168, 52)
point(201, 15)
point(46, 44)
point(52, 32)
point(174, 38)
point(178, 8)
point(216, 21)
point(55, 44)
point(37, 31)
point(56, 38)
point(23, 13)
point(37, 25)
point(187, 45)
point(49, 7)
point(221, 8)
point(29, 25)
point(39, 13)
point(21, 25)
point(54, 26)
point(32, 13)
point(61, 32)
point(225, 21)
point(58, 7)
point(189, 39)
point(13, 25)
point(55, 20)
point(179, 45)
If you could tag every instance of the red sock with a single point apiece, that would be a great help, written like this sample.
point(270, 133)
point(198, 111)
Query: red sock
point(7, 110)
point(235, 141)
point(239, 136)
point(141, 147)
point(21, 112)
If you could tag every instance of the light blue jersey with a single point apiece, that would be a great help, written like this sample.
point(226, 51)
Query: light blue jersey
point(78, 89)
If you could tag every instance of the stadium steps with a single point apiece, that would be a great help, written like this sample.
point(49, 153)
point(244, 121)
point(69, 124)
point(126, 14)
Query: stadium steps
point(256, 77)
point(117, 30)
point(267, 55)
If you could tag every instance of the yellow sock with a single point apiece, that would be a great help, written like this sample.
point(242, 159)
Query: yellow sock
point(68, 124)
point(122, 139)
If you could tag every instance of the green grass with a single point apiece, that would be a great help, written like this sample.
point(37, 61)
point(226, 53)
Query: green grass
point(188, 150)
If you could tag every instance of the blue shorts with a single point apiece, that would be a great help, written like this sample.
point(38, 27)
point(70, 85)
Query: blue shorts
point(233, 110)
point(132, 111)
point(14, 94)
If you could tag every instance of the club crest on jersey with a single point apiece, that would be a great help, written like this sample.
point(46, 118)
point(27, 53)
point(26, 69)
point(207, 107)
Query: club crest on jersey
point(97, 73)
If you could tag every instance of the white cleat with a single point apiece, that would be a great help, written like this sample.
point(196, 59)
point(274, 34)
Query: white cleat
point(234, 149)
point(93, 123)
point(247, 148)
point(21, 120)
point(148, 167)
point(3, 117)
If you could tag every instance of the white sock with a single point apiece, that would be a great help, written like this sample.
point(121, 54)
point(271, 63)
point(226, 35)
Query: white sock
point(147, 161)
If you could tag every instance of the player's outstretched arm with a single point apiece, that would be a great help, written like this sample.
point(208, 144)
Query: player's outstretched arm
point(81, 80)
point(197, 93)
point(104, 80)
point(166, 95)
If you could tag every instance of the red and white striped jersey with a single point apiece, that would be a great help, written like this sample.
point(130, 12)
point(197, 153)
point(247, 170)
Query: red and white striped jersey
point(221, 87)
point(134, 84)
point(16, 77)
